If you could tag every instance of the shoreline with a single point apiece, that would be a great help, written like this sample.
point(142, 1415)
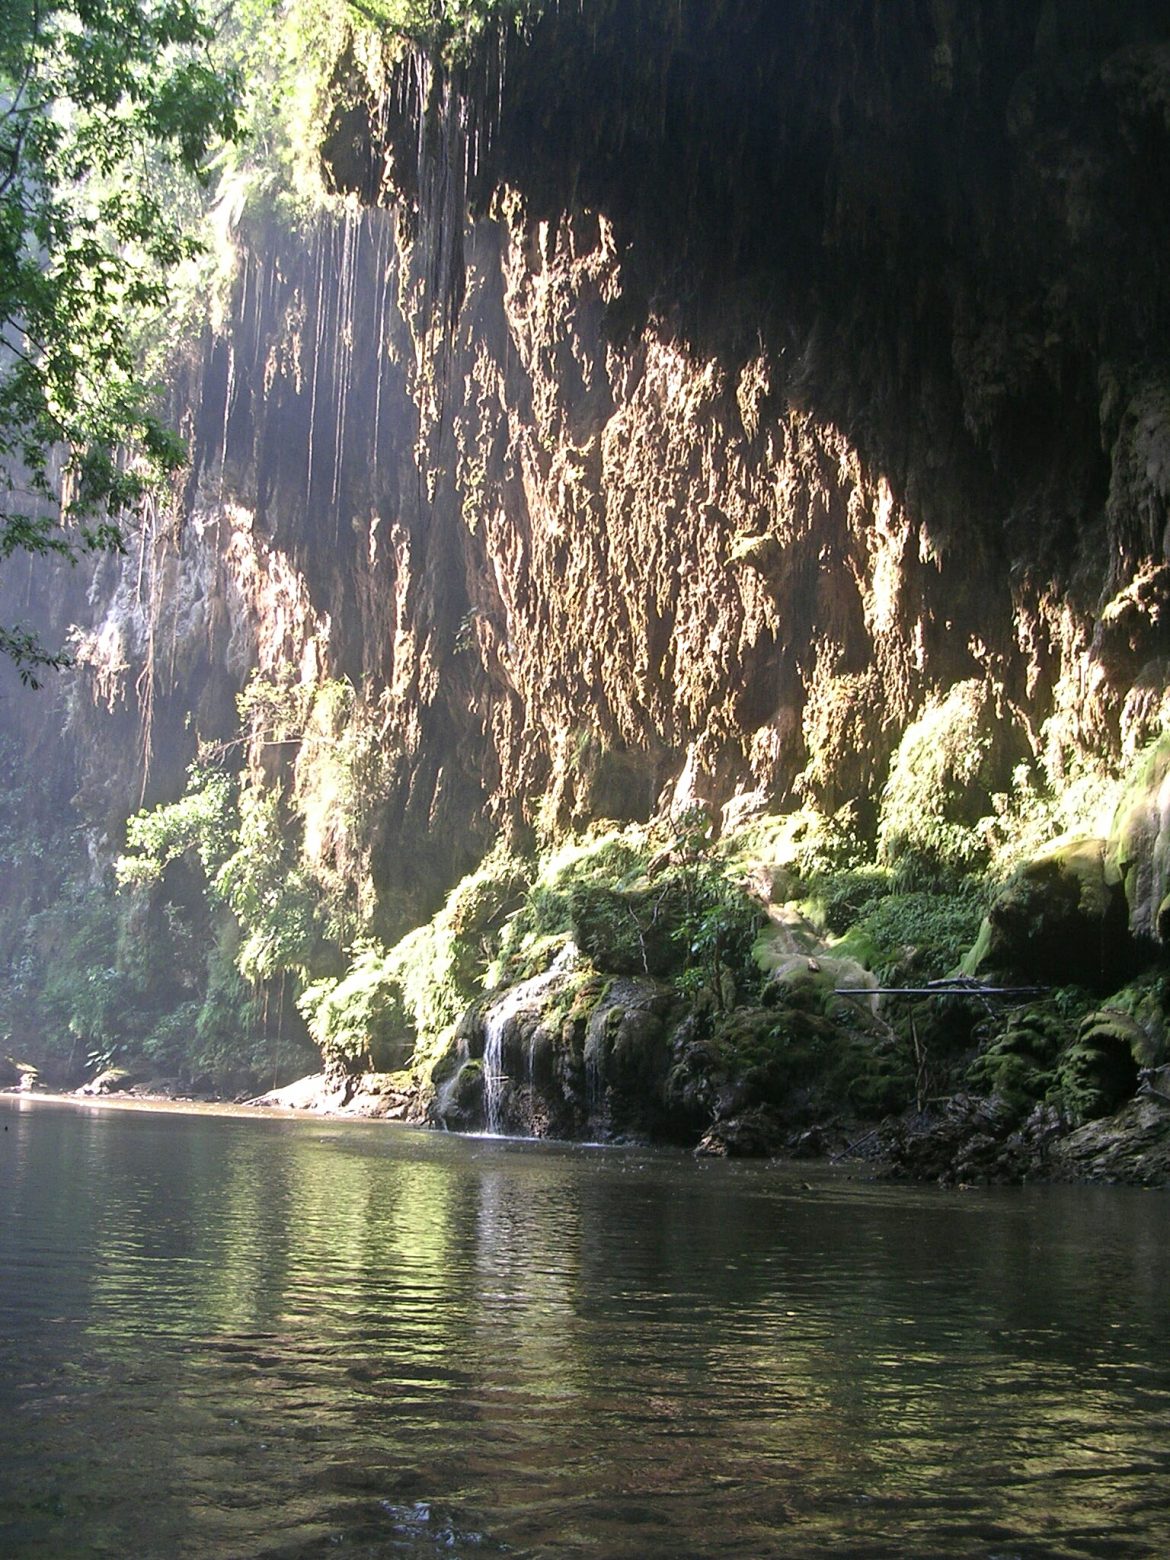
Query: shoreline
point(1131, 1148)
point(162, 1104)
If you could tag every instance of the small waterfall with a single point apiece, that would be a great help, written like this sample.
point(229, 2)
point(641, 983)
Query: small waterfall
point(515, 1000)
point(594, 1086)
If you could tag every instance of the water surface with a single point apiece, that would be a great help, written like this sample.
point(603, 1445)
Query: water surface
point(225, 1337)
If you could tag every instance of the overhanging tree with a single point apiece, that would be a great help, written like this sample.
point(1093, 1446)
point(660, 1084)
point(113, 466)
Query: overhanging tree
point(93, 93)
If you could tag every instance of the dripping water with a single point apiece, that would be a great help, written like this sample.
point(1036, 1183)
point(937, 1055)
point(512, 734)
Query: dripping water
point(318, 313)
point(515, 1000)
point(385, 234)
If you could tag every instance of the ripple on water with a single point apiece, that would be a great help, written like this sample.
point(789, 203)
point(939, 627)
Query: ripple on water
point(219, 1339)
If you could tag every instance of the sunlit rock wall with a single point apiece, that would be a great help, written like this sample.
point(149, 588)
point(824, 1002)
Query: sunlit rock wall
point(798, 363)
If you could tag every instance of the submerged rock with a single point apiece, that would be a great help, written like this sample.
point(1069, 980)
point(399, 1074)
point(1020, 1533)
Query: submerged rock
point(754, 1134)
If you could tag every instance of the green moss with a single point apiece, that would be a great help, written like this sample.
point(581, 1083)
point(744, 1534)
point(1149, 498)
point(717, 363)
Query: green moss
point(941, 783)
point(1018, 1066)
point(1095, 1076)
point(1059, 918)
point(805, 1065)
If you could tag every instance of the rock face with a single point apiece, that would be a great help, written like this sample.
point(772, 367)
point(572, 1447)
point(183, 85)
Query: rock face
point(685, 402)
point(801, 362)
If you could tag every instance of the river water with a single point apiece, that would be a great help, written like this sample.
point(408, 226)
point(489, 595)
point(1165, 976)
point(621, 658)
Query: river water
point(259, 1337)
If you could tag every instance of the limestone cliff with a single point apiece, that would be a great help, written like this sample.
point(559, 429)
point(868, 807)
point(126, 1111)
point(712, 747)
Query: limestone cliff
point(682, 397)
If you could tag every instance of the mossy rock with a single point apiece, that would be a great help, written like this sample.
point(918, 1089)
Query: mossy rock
point(1140, 1013)
point(1109, 1029)
point(1096, 1075)
point(825, 985)
point(804, 1064)
point(627, 1056)
point(628, 931)
point(1100, 1071)
point(459, 1104)
point(1018, 1066)
point(447, 1063)
point(1061, 918)
point(696, 1073)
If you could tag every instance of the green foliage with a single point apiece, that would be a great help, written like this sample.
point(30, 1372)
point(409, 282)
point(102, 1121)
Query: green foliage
point(267, 894)
point(905, 938)
point(716, 935)
point(90, 92)
point(560, 890)
point(637, 905)
point(802, 846)
point(337, 794)
point(448, 28)
point(939, 789)
point(391, 999)
point(234, 830)
point(204, 821)
point(839, 899)
point(231, 1044)
point(359, 1021)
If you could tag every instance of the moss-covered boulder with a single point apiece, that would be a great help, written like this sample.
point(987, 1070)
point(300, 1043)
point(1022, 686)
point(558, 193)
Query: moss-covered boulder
point(1018, 1065)
point(1095, 1079)
point(1100, 1071)
point(628, 1058)
point(816, 1049)
point(1061, 919)
point(458, 1102)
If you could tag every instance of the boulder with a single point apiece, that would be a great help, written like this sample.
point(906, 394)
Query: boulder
point(1061, 919)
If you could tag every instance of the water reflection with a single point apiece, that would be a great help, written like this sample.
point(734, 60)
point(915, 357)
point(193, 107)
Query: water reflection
point(223, 1337)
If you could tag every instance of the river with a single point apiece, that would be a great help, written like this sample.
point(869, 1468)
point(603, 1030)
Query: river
point(290, 1338)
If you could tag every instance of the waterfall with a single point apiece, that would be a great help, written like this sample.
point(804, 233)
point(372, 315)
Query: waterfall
point(515, 1000)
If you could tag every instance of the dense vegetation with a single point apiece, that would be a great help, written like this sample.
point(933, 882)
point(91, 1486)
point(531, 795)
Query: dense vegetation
point(721, 966)
point(97, 104)
point(253, 893)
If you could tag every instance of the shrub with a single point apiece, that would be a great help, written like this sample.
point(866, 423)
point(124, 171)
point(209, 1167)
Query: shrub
point(907, 937)
point(360, 1021)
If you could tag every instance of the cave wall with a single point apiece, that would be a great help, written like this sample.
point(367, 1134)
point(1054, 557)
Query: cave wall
point(678, 397)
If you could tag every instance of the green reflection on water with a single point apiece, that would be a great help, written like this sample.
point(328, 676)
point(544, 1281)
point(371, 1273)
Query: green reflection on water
point(266, 1337)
